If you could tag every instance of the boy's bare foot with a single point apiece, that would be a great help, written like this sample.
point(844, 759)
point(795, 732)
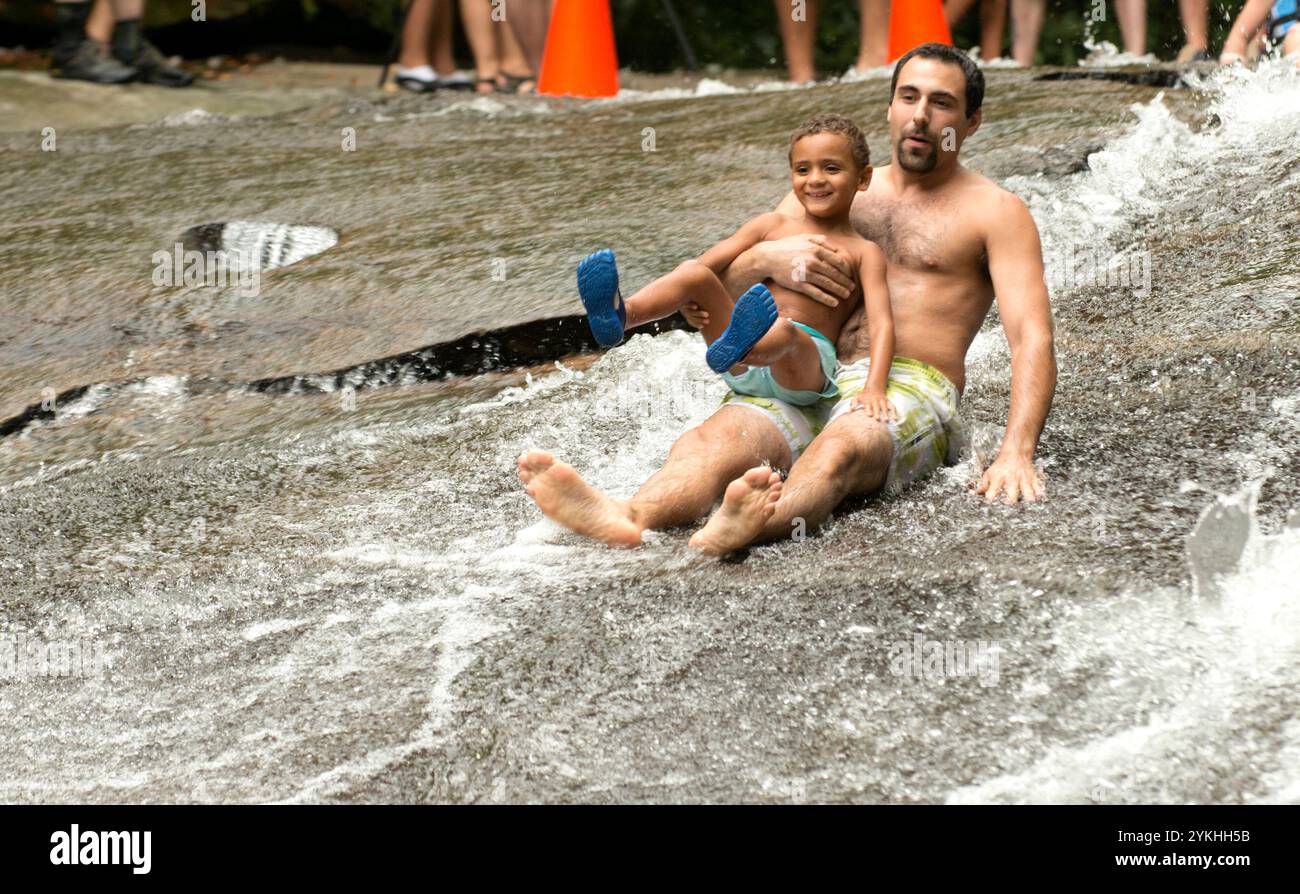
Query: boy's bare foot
point(565, 498)
point(746, 506)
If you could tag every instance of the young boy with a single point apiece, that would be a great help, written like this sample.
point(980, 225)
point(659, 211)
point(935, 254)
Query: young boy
point(771, 342)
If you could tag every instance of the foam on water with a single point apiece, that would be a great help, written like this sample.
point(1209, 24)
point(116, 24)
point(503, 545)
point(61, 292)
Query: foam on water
point(1162, 162)
point(1210, 660)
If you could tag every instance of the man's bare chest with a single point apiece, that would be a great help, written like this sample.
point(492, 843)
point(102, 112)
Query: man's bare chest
point(923, 238)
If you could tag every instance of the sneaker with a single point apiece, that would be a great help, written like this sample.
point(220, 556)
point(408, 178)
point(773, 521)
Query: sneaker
point(153, 68)
point(422, 79)
point(456, 81)
point(87, 61)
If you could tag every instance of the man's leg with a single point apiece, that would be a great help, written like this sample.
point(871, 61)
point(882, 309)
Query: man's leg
point(851, 457)
point(698, 468)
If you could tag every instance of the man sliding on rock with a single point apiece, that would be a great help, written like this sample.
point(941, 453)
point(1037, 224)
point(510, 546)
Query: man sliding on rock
point(952, 240)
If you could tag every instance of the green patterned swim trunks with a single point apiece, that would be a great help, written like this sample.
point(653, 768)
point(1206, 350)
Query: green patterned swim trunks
point(928, 432)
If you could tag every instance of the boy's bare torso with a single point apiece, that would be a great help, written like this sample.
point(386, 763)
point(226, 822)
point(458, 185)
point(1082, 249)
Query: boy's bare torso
point(802, 309)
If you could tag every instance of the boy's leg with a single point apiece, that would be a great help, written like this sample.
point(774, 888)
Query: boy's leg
point(610, 315)
point(791, 355)
point(691, 281)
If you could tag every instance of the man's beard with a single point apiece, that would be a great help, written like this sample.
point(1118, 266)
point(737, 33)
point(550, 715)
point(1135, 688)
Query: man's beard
point(923, 164)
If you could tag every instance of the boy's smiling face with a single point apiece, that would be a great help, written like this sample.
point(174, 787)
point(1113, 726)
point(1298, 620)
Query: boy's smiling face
point(824, 176)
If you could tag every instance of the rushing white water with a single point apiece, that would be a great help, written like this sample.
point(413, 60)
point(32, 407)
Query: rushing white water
point(346, 595)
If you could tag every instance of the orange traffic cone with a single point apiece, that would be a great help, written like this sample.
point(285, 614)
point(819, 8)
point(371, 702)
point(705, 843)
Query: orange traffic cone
point(914, 22)
point(579, 59)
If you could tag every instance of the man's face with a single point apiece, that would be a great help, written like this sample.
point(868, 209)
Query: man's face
point(824, 175)
point(927, 116)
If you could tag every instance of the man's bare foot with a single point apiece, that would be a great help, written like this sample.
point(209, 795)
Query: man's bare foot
point(565, 498)
point(746, 506)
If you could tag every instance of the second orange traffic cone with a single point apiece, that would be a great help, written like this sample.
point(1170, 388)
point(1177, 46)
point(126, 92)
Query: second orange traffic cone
point(914, 22)
point(579, 59)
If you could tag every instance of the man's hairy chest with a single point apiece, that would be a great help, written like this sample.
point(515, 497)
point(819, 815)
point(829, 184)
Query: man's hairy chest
point(931, 237)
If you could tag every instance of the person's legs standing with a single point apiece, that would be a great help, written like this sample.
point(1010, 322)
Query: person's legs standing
point(1132, 15)
point(414, 72)
point(529, 19)
point(993, 23)
point(993, 20)
point(80, 49)
point(476, 17)
point(99, 27)
point(1195, 18)
point(440, 52)
point(955, 10)
point(797, 22)
point(873, 39)
point(515, 74)
point(1026, 26)
point(131, 48)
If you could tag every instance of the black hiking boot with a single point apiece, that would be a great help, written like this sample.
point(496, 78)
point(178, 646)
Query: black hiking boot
point(87, 61)
point(130, 48)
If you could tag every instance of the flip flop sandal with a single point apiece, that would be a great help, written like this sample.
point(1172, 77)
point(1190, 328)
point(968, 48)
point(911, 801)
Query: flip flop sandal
point(515, 83)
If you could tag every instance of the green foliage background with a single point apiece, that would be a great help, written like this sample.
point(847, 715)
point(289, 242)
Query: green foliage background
point(732, 33)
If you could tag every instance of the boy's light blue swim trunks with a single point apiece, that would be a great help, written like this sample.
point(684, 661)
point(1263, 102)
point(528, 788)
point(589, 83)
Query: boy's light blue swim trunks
point(758, 382)
point(928, 432)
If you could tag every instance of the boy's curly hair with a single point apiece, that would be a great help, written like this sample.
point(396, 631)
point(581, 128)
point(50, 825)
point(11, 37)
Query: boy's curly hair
point(832, 123)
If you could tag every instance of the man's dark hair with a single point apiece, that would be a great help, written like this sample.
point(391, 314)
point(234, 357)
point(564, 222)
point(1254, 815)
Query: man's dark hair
point(953, 56)
point(838, 124)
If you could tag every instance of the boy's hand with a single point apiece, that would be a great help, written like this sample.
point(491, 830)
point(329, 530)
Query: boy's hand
point(878, 406)
point(697, 316)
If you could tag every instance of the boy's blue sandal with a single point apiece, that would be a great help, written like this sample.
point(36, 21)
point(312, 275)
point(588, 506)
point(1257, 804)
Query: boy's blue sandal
point(598, 288)
point(753, 315)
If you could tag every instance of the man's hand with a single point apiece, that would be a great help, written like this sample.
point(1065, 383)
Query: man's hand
point(807, 264)
point(1014, 475)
